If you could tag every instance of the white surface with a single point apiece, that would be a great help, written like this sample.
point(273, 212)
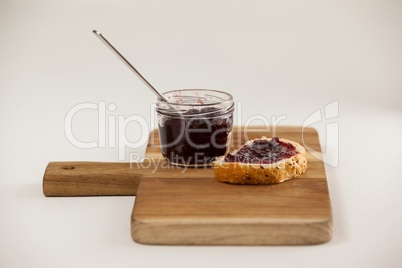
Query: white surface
point(276, 57)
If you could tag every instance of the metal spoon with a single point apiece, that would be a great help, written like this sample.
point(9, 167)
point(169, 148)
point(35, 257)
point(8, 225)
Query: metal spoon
point(103, 39)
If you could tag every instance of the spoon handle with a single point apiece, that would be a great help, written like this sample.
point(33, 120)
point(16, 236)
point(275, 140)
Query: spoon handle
point(106, 42)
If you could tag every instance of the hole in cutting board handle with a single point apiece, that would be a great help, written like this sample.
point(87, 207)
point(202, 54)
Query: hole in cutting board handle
point(69, 168)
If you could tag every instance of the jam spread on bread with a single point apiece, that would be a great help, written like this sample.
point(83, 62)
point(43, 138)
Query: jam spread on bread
point(263, 152)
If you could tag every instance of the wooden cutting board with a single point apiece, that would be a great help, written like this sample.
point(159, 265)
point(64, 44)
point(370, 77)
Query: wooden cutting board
point(188, 207)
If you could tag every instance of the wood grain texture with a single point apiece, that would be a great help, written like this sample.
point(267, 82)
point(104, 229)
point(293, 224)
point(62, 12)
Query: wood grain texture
point(90, 179)
point(191, 208)
point(181, 206)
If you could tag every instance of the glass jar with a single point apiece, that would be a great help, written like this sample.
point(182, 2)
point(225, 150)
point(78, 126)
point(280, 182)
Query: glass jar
point(195, 126)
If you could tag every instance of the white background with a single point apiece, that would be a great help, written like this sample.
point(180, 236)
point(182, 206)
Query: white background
point(275, 57)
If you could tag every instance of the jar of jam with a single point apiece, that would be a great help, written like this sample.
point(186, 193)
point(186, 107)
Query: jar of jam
point(195, 126)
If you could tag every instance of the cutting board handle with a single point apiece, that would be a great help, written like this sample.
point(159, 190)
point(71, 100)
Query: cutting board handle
point(90, 179)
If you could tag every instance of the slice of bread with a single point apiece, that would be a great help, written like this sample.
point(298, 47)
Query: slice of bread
point(250, 173)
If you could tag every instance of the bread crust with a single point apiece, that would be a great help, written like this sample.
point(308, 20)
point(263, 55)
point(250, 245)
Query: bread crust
point(245, 173)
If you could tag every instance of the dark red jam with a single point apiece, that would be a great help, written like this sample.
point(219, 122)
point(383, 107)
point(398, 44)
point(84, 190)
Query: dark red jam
point(195, 138)
point(263, 152)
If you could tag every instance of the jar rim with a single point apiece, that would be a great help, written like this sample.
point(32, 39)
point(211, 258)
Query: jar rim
point(208, 114)
point(230, 97)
